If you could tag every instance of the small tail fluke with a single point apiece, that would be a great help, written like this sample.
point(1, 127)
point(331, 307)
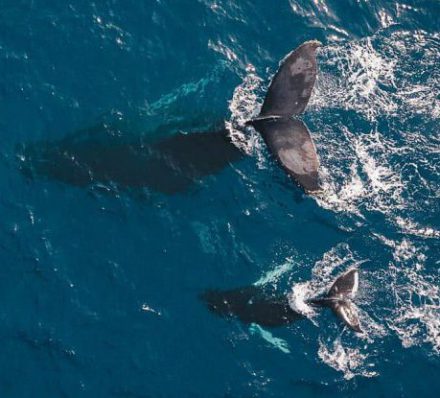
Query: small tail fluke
point(339, 299)
point(341, 293)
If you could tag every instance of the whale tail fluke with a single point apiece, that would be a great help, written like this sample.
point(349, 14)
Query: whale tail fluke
point(289, 139)
point(339, 299)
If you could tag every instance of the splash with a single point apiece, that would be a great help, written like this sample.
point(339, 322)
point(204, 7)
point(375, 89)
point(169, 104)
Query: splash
point(380, 84)
point(298, 297)
point(415, 318)
point(147, 308)
point(358, 173)
point(245, 105)
point(335, 261)
point(350, 361)
point(355, 77)
point(375, 76)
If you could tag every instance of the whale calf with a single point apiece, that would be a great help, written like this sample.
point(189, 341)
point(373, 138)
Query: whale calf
point(172, 164)
point(263, 306)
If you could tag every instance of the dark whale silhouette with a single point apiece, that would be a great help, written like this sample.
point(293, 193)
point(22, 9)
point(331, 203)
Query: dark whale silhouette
point(173, 163)
point(105, 155)
point(262, 305)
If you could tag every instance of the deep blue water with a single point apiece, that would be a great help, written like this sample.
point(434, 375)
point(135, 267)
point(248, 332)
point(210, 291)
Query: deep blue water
point(100, 285)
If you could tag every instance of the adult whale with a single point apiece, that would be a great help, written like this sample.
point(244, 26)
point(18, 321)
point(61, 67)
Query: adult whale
point(263, 306)
point(107, 154)
point(171, 164)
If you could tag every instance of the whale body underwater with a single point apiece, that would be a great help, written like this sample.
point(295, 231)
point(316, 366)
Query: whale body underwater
point(104, 154)
point(263, 306)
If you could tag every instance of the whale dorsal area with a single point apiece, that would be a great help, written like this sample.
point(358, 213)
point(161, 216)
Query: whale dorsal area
point(291, 87)
point(290, 141)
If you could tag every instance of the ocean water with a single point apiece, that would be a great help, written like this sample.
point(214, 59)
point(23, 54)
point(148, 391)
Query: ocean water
point(100, 283)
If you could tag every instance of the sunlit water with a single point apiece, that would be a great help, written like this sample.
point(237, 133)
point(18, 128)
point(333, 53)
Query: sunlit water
point(99, 286)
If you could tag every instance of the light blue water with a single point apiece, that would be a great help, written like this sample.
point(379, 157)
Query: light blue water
point(99, 285)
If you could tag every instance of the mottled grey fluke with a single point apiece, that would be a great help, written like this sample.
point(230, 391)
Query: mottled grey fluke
point(289, 93)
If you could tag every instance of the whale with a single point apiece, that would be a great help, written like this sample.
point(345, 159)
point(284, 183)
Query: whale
point(106, 154)
point(173, 163)
point(262, 305)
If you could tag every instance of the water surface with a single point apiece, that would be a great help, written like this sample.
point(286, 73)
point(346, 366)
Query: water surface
point(100, 283)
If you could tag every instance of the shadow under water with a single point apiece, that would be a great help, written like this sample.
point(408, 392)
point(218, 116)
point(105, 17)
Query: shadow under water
point(104, 154)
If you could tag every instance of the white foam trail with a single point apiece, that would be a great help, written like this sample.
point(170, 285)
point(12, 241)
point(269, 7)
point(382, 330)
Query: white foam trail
point(375, 77)
point(357, 174)
point(336, 260)
point(245, 105)
point(413, 228)
point(360, 79)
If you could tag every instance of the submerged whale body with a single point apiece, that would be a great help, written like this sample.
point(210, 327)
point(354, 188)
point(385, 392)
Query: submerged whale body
point(103, 155)
point(263, 306)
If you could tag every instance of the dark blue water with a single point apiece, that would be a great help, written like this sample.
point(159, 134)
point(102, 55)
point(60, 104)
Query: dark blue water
point(100, 284)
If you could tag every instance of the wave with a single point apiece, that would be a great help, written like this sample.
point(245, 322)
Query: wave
point(415, 315)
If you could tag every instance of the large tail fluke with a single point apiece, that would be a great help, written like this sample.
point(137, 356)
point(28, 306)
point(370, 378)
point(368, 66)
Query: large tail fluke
point(288, 95)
